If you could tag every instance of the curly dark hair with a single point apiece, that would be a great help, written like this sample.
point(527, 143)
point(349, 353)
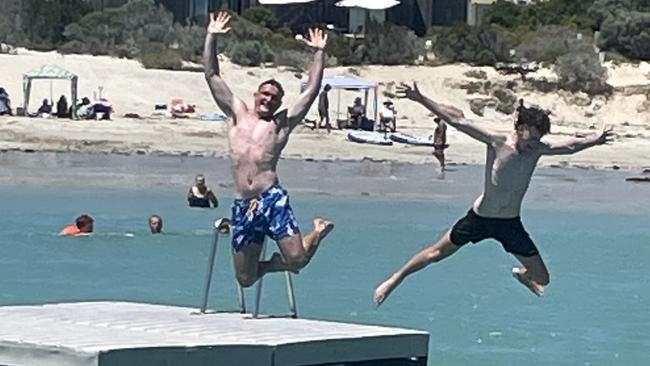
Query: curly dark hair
point(533, 116)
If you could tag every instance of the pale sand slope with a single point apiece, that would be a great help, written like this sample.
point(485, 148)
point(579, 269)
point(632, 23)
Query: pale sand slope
point(134, 89)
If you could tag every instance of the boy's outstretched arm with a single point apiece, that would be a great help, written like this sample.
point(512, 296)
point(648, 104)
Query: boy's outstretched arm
point(446, 114)
point(575, 144)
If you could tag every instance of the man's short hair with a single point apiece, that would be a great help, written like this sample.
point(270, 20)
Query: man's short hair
point(533, 116)
point(83, 220)
point(327, 87)
point(275, 83)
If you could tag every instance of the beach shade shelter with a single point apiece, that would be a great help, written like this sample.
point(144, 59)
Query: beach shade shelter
point(50, 72)
point(344, 82)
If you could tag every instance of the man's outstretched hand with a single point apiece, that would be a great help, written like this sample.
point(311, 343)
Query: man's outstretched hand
point(406, 91)
point(317, 39)
point(219, 22)
point(606, 135)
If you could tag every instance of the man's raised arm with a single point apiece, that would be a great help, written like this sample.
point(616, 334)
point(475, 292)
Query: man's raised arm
point(298, 110)
point(575, 144)
point(446, 114)
point(225, 99)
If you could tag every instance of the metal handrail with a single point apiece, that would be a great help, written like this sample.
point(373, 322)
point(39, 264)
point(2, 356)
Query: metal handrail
point(217, 230)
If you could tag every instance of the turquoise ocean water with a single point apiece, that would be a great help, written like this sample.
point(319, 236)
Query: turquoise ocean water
point(596, 311)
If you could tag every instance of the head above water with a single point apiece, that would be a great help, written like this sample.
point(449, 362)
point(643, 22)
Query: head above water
point(532, 122)
point(84, 223)
point(199, 180)
point(155, 224)
point(268, 98)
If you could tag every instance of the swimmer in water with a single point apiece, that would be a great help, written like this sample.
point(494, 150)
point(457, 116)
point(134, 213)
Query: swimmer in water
point(83, 226)
point(257, 136)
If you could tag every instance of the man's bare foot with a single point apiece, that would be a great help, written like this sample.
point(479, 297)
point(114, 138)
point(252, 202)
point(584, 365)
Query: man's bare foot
point(322, 227)
point(383, 290)
point(520, 275)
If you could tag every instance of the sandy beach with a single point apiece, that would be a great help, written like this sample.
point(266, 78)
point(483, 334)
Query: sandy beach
point(132, 89)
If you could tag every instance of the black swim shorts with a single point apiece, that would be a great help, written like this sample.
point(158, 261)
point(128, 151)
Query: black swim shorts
point(509, 232)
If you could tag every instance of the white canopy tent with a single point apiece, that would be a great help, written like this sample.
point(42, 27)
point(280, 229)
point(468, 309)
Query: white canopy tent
point(350, 83)
point(50, 72)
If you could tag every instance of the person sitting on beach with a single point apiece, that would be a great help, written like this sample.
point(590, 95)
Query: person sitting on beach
point(257, 137)
point(62, 107)
point(85, 109)
point(356, 114)
point(323, 109)
point(83, 226)
point(45, 110)
point(200, 195)
point(440, 134)
point(387, 117)
point(511, 161)
point(5, 103)
point(155, 224)
point(104, 107)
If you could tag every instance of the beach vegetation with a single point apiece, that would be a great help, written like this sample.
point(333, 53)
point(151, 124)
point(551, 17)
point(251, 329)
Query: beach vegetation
point(262, 16)
point(160, 56)
point(548, 43)
point(250, 53)
point(390, 44)
point(506, 99)
point(581, 70)
point(624, 30)
point(474, 45)
point(476, 74)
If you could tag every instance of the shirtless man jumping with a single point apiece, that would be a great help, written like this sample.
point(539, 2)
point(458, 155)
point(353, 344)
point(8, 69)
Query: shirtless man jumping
point(257, 137)
point(511, 161)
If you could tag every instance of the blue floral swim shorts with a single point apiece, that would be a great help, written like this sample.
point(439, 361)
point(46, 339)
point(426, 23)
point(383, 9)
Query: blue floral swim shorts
point(268, 214)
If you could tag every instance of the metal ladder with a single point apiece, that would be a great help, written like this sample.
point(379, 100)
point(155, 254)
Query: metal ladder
point(219, 225)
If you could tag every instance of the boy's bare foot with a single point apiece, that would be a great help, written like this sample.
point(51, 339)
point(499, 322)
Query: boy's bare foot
point(322, 227)
point(520, 275)
point(385, 289)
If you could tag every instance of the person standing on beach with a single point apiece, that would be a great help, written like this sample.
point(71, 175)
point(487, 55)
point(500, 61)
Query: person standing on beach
point(440, 134)
point(511, 161)
point(323, 109)
point(257, 137)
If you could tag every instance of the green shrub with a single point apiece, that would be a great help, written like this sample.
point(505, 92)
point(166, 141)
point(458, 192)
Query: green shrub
point(580, 70)
point(159, 56)
point(262, 16)
point(546, 44)
point(476, 74)
point(300, 60)
point(473, 45)
point(389, 44)
point(250, 53)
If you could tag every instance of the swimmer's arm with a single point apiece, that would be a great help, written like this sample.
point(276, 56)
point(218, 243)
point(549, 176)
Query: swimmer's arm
point(226, 100)
point(453, 116)
point(575, 144)
point(317, 40)
point(213, 199)
point(190, 195)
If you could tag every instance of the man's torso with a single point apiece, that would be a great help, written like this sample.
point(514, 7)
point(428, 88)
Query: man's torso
point(255, 147)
